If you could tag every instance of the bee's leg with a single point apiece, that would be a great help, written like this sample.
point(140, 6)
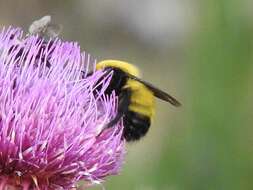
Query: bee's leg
point(124, 101)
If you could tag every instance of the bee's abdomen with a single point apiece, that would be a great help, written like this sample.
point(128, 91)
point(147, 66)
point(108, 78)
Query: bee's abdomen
point(135, 126)
point(142, 99)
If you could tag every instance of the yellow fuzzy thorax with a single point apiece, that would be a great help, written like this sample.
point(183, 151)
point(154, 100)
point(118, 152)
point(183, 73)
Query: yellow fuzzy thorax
point(124, 66)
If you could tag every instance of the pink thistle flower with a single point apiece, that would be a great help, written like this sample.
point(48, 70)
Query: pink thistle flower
point(50, 120)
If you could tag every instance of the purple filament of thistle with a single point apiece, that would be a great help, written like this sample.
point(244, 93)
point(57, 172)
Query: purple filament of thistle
point(50, 119)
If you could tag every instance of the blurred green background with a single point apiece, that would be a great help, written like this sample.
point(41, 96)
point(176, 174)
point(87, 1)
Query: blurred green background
point(198, 51)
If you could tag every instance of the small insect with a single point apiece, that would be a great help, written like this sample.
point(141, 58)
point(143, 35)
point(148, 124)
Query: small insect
point(136, 98)
point(45, 28)
point(47, 32)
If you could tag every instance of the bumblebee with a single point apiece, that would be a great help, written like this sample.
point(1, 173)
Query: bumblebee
point(136, 98)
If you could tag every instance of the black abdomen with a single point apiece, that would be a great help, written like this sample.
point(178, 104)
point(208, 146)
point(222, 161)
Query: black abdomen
point(135, 126)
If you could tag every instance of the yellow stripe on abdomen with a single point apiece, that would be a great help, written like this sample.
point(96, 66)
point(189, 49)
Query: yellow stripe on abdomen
point(142, 99)
point(142, 110)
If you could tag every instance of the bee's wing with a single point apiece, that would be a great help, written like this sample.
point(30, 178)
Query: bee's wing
point(157, 92)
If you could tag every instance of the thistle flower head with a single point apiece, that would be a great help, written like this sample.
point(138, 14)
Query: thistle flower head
point(50, 118)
